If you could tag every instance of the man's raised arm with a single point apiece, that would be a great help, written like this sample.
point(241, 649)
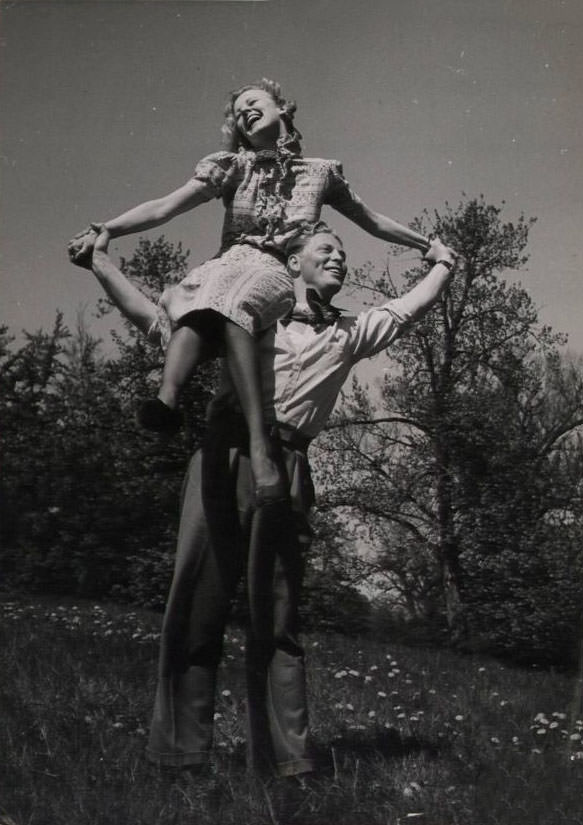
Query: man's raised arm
point(426, 292)
point(132, 303)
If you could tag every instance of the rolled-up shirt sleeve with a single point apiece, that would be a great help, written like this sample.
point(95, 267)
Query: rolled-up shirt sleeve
point(376, 329)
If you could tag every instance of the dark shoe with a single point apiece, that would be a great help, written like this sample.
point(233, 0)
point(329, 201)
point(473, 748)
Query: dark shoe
point(158, 416)
point(192, 773)
point(186, 774)
point(303, 783)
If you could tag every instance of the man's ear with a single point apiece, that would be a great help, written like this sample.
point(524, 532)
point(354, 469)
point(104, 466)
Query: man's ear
point(293, 265)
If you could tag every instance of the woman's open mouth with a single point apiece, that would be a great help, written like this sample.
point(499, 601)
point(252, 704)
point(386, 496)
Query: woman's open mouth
point(251, 118)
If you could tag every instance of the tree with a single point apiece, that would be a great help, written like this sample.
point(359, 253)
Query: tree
point(90, 500)
point(51, 467)
point(458, 462)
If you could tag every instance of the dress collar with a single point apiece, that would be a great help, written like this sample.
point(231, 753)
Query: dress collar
point(287, 146)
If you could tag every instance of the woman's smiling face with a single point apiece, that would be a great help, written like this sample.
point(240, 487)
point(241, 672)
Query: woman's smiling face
point(258, 118)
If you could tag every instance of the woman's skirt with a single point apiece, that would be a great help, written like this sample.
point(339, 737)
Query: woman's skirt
point(247, 285)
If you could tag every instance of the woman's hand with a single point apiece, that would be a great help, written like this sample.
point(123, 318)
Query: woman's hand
point(103, 237)
point(80, 247)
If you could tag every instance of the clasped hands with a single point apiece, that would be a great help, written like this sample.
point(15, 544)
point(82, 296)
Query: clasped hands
point(438, 251)
point(80, 247)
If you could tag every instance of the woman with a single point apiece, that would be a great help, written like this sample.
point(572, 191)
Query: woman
point(270, 193)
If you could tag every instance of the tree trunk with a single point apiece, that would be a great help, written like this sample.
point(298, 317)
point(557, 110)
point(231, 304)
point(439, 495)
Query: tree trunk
point(449, 553)
point(454, 608)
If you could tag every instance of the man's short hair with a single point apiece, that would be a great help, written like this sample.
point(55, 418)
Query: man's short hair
point(307, 232)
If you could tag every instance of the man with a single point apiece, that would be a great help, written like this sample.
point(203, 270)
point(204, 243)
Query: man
point(223, 532)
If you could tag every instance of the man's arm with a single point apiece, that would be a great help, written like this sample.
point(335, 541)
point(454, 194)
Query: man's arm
point(376, 329)
point(132, 303)
point(426, 292)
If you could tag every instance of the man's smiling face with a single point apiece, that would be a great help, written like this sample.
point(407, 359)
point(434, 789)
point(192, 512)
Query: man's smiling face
point(321, 264)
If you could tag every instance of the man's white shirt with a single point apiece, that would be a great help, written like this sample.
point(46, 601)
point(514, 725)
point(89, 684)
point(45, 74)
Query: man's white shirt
point(303, 367)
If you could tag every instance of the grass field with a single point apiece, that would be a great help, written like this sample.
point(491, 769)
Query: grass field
point(405, 735)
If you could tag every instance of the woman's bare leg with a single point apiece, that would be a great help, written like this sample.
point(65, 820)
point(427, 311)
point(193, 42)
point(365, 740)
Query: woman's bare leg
point(243, 363)
point(186, 350)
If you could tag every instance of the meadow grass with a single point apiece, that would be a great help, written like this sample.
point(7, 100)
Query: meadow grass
point(404, 735)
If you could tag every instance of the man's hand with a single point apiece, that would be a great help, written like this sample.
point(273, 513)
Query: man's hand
point(438, 251)
point(80, 247)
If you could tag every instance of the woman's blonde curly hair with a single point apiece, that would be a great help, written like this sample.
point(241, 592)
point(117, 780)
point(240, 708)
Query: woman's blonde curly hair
point(233, 139)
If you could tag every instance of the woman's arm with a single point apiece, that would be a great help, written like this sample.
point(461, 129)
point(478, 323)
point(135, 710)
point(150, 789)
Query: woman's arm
point(144, 216)
point(342, 198)
point(132, 303)
point(389, 230)
point(156, 212)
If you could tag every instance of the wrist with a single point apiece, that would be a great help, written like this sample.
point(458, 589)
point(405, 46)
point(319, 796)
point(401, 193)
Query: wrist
point(99, 261)
point(103, 226)
point(448, 261)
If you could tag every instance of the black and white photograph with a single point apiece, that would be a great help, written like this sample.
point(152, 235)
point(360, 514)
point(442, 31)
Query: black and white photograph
point(291, 412)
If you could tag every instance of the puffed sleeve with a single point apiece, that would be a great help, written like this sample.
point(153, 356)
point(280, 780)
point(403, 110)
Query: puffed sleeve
point(216, 171)
point(341, 197)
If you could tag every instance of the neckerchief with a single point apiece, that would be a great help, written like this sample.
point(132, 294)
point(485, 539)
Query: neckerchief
point(315, 312)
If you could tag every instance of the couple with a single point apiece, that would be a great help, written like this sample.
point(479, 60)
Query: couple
point(305, 359)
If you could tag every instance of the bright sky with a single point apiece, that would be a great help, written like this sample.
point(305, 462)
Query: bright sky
point(109, 103)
